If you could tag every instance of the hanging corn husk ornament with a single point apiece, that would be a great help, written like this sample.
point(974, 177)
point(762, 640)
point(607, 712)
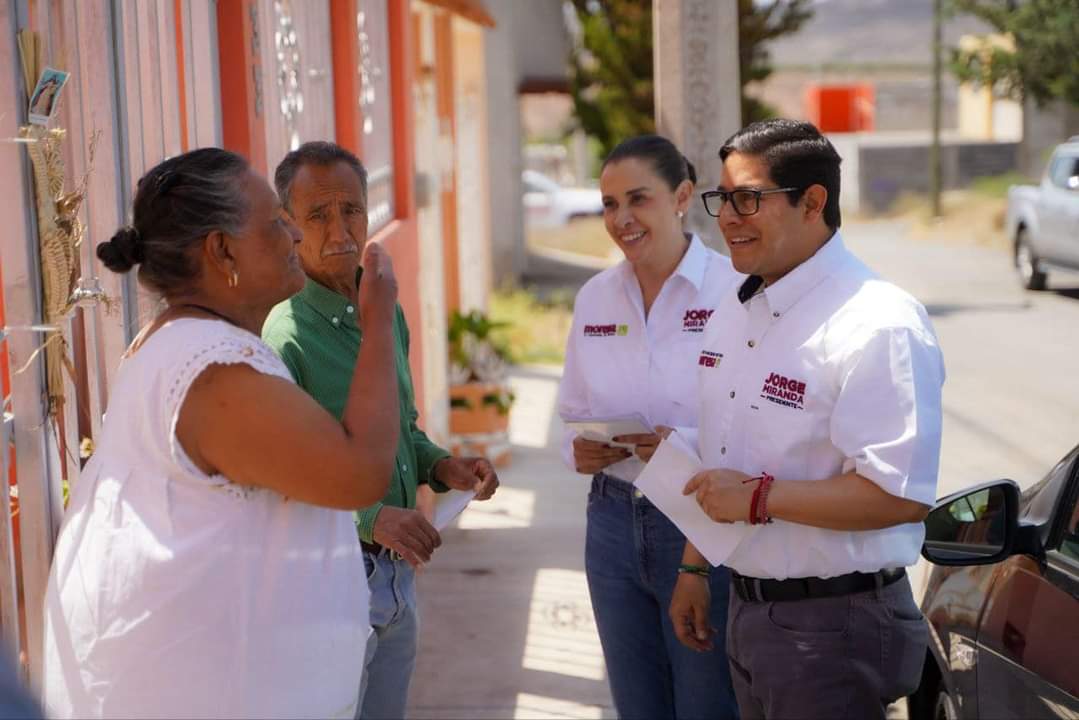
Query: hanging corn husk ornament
point(59, 234)
point(59, 228)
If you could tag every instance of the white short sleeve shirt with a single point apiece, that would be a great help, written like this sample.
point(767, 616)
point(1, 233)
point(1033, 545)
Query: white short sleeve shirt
point(828, 370)
point(617, 362)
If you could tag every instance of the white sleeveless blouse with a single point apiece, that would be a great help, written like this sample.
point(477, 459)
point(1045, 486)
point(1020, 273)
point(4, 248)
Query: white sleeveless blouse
point(177, 594)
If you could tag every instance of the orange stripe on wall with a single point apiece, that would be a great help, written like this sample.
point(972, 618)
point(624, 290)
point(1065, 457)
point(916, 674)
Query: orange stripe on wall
point(446, 126)
point(402, 237)
point(5, 392)
point(402, 73)
point(345, 44)
point(243, 128)
point(181, 71)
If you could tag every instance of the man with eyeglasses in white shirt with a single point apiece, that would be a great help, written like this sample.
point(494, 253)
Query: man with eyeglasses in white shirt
point(821, 423)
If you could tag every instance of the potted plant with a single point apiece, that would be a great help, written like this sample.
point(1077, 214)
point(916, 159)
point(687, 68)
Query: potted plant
point(480, 399)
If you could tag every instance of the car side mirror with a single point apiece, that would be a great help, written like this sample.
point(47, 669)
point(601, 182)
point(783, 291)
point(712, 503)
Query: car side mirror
point(978, 526)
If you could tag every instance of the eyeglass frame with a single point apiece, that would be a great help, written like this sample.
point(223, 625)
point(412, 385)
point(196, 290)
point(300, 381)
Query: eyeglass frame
point(726, 196)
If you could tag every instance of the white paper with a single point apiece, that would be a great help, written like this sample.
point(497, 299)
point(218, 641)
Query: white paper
point(662, 482)
point(605, 429)
point(450, 505)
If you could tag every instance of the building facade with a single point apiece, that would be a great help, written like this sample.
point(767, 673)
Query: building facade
point(402, 83)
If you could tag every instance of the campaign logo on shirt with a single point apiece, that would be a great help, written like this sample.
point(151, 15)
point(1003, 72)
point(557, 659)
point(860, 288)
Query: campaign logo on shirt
point(695, 320)
point(784, 391)
point(607, 330)
point(709, 358)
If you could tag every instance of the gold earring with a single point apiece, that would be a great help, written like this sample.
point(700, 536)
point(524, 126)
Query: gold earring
point(234, 279)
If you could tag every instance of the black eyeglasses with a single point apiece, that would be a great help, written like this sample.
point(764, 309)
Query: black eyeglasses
point(746, 202)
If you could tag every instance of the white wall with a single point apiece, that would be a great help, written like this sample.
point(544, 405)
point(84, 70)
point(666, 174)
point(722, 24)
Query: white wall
point(529, 41)
point(473, 198)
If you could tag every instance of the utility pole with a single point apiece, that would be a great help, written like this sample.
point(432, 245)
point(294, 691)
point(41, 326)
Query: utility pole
point(698, 104)
point(934, 148)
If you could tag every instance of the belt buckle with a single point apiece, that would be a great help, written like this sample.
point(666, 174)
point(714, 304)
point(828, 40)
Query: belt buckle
point(375, 550)
point(745, 588)
point(885, 577)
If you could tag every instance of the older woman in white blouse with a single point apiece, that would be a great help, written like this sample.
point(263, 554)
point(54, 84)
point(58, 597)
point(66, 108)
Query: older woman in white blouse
point(208, 565)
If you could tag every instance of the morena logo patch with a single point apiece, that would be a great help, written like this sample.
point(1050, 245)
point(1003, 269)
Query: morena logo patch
point(709, 359)
point(606, 330)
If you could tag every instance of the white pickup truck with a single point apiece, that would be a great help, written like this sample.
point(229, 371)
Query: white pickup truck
point(1043, 220)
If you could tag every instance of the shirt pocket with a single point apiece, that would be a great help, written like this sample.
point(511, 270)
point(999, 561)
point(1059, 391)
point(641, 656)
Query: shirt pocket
point(780, 436)
point(681, 383)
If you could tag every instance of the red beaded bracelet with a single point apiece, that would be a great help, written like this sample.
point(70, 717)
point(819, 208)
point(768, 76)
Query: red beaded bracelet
point(765, 487)
point(758, 512)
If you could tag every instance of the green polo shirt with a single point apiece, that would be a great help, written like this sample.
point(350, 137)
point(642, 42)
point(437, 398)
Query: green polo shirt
point(316, 335)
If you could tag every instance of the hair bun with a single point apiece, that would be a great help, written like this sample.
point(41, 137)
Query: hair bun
point(691, 172)
point(123, 251)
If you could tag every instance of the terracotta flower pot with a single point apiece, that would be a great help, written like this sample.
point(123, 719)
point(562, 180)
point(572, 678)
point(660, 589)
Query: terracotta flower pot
point(472, 412)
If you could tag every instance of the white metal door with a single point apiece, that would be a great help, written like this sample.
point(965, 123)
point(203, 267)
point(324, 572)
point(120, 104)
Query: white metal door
point(296, 54)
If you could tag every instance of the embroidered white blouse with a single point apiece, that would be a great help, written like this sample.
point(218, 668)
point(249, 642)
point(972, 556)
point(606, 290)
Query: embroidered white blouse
point(173, 593)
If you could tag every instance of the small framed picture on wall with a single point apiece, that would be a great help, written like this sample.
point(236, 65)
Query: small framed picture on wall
point(46, 97)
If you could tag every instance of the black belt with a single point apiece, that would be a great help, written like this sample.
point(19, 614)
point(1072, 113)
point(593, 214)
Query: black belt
point(763, 590)
point(375, 549)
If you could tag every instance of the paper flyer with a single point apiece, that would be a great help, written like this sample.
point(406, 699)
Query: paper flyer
point(662, 481)
point(604, 429)
point(450, 505)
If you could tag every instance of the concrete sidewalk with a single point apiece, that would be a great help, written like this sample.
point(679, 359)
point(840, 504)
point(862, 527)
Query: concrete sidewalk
point(508, 630)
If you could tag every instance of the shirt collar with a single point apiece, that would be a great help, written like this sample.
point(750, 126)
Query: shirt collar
point(792, 287)
point(332, 306)
point(692, 266)
point(694, 262)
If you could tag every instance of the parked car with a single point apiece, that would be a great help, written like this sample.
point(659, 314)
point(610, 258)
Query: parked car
point(1043, 220)
point(1002, 602)
point(548, 204)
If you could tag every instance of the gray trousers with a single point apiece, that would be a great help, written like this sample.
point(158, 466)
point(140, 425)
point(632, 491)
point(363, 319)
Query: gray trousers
point(826, 658)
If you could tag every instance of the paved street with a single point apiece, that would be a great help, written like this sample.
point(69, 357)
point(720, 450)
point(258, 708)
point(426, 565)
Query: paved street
point(1011, 406)
point(508, 629)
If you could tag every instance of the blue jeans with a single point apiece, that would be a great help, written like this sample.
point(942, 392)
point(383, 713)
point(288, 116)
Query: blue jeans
point(632, 554)
point(391, 648)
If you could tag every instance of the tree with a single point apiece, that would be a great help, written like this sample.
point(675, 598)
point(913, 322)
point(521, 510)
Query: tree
point(611, 62)
point(611, 70)
point(758, 24)
point(1041, 62)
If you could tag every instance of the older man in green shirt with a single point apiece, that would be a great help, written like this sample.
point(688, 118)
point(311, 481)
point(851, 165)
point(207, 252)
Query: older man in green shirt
point(323, 187)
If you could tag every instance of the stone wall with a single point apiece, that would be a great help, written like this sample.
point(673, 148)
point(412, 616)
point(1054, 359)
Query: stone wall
point(887, 171)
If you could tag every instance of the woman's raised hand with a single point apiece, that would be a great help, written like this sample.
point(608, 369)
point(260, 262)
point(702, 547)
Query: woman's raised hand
point(378, 286)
